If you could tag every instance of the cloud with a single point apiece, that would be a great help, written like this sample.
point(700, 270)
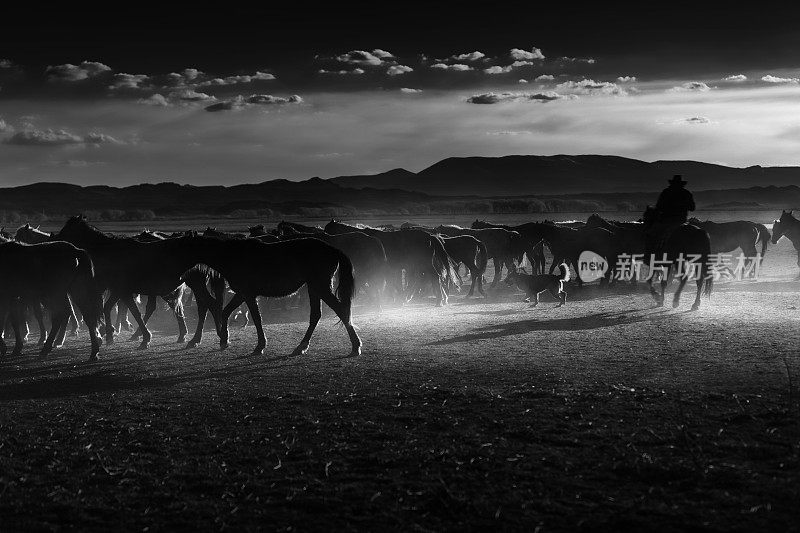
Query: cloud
point(234, 80)
point(696, 120)
point(735, 78)
point(512, 133)
point(496, 98)
point(769, 78)
point(154, 100)
point(522, 80)
point(524, 55)
point(459, 67)
point(626, 79)
point(189, 95)
point(5, 127)
point(49, 137)
point(408, 90)
point(396, 70)
point(128, 81)
point(497, 69)
point(70, 72)
point(545, 77)
point(472, 56)
point(585, 60)
point(591, 87)
point(268, 99)
point(362, 57)
point(240, 102)
point(355, 71)
point(691, 86)
point(6, 63)
point(383, 54)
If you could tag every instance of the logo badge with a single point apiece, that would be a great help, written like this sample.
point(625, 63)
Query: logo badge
point(591, 266)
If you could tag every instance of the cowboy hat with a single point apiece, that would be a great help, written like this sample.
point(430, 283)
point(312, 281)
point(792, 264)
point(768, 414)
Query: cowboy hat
point(677, 178)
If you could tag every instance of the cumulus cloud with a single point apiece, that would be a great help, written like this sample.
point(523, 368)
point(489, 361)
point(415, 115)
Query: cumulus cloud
point(239, 102)
point(49, 137)
point(408, 90)
point(522, 80)
point(128, 81)
point(6, 63)
point(5, 127)
point(626, 79)
point(512, 133)
point(459, 67)
point(362, 57)
point(396, 70)
point(497, 69)
point(696, 120)
point(524, 55)
point(472, 56)
point(355, 71)
point(157, 100)
point(545, 77)
point(769, 78)
point(735, 78)
point(189, 95)
point(591, 87)
point(234, 80)
point(496, 98)
point(691, 86)
point(70, 72)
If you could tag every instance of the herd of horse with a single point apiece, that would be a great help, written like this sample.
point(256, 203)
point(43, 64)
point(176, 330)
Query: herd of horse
point(83, 274)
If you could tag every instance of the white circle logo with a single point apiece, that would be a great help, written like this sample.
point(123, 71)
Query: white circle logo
point(591, 266)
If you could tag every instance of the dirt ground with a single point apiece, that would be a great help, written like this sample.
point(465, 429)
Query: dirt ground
point(604, 415)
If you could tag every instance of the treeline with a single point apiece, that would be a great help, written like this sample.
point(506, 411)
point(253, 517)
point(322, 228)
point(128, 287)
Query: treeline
point(15, 217)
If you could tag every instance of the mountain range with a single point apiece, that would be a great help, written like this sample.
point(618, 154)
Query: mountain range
point(510, 184)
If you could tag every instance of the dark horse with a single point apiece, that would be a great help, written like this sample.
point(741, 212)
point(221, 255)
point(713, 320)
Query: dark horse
point(365, 252)
point(728, 236)
point(534, 244)
point(415, 251)
point(684, 242)
point(253, 268)
point(788, 226)
point(472, 252)
point(504, 247)
point(125, 267)
point(49, 273)
point(629, 237)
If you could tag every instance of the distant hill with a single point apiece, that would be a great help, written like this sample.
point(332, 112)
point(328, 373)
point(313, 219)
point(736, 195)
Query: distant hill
point(479, 185)
point(518, 175)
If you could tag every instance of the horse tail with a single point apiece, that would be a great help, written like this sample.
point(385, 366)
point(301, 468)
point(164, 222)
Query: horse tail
point(482, 257)
point(346, 289)
point(564, 272)
point(443, 262)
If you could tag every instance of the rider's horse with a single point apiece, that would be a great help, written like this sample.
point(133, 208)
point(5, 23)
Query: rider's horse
point(683, 247)
point(789, 227)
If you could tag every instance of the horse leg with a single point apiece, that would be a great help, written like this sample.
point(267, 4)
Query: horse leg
point(181, 317)
point(18, 317)
point(74, 323)
point(62, 332)
point(137, 316)
point(412, 279)
point(653, 292)
point(222, 326)
point(110, 330)
point(252, 304)
point(676, 299)
point(89, 307)
point(3, 318)
point(58, 317)
point(438, 288)
point(313, 319)
point(149, 309)
point(498, 271)
point(473, 273)
point(343, 311)
point(798, 264)
point(38, 315)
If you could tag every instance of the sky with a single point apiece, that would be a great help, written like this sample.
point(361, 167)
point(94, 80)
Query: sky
point(152, 93)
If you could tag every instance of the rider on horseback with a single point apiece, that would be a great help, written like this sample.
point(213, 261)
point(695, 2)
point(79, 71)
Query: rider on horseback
point(673, 207)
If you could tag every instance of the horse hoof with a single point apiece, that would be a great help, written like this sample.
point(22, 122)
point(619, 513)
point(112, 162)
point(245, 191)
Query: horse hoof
point(355, 352)
point(93, 358)
point(675, 304)
point(40, 343)
point(144, 345)
point(192, 344)
point(223, 345)
point(181, 340)
point(695, 307)
point(258, 350)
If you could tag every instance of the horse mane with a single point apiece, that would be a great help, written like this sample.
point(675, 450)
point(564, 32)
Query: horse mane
point(81, 224)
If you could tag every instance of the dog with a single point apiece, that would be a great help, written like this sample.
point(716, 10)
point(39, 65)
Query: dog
point(535, 285)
